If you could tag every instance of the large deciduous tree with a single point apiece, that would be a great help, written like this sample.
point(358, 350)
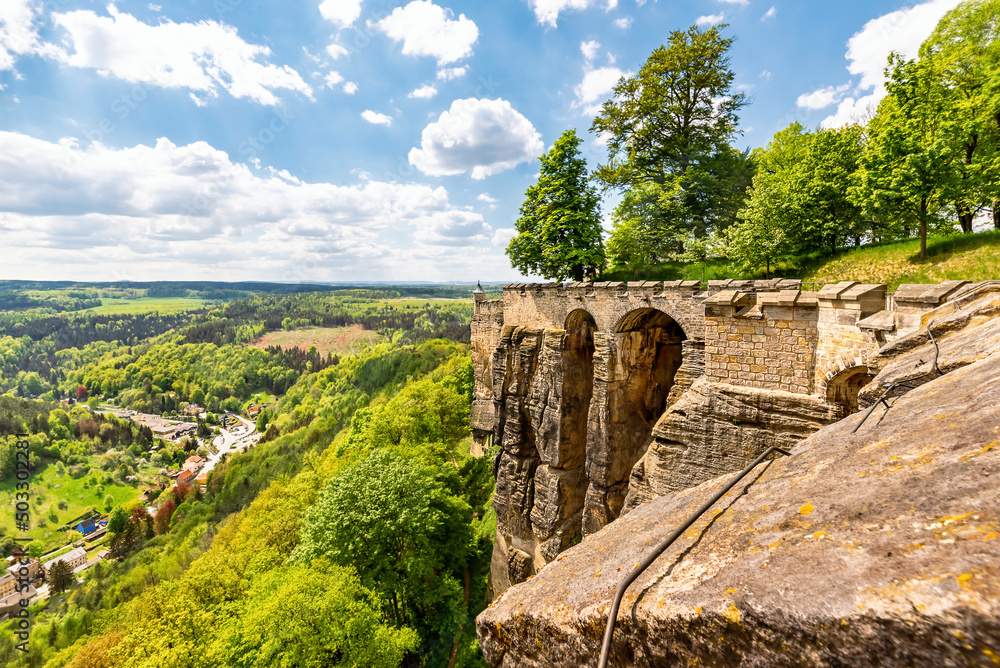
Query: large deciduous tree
point(669, 129)
point(963, 54)
point(907, 171)
point(559, 230)
point(404, 531)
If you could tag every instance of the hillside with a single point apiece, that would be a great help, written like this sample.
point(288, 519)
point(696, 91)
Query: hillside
point(971, 257)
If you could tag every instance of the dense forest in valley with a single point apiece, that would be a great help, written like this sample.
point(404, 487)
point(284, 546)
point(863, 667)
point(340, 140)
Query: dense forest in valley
point(199, 575)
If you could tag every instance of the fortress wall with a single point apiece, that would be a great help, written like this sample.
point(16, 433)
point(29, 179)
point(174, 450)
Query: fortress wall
point(764, 341)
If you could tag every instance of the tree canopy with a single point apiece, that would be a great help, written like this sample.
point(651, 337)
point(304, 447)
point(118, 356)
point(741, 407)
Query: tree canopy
point(559, 230)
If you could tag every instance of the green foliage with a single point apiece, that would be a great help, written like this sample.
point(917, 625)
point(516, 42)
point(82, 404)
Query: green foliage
point(669, 129)
point(559, 230)
point(401, 527)
point(60, 576)
point(319, 616)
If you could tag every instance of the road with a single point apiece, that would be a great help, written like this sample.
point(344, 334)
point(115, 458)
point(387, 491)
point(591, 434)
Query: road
point(229, 440)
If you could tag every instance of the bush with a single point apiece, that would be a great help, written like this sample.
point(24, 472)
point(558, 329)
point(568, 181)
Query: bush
point(77, 471)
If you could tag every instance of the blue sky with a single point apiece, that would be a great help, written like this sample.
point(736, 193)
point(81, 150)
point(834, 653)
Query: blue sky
point(342, 140)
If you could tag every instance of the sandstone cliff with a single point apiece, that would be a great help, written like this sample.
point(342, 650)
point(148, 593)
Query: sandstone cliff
point(875, 548)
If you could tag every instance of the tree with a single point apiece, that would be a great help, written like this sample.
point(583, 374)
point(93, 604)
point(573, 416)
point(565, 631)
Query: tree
point(60, 576)
point(320, 616)
point(161, 522)
point(81, 392)
point(408, 537)
point(138, 528)
point(669, 128)
point(907, 169)
point(117, 519)
point(559, 230)
point(964, 55)
point(109, 503)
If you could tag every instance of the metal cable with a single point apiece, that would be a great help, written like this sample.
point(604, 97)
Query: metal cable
point(659, 549)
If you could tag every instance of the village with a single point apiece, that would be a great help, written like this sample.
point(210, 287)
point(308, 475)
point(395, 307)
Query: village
point(235, 434)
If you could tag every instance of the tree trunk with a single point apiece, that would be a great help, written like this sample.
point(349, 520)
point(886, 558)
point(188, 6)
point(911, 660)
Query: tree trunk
point(767, 269)
point(923, 228)
point(996, 214)
point(458, 636)
point(964, 216)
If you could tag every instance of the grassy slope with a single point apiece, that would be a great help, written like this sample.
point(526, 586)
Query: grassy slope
point(53, 487)
point(336, 340)
point(972, 257)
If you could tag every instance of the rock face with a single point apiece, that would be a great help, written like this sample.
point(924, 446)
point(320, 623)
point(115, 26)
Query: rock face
point(715, 428)
point(597, 398)
point(875, 548)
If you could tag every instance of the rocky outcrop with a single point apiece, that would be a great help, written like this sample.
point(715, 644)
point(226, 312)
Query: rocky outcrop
point(875, 548)
point(715, 428)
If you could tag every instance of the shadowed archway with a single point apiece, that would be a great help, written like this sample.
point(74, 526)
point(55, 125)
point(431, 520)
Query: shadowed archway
point(842, 390)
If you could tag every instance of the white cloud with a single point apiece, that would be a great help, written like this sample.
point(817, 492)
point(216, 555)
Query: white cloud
point(765, 75)
point(485, 197)
point(868, 50)
point(449, 73)
point(596, 86)
point(332, 79)
point(589, 49)
point(425, 92)
point(547, 11)
point(190, 210)
point(710, 19)
point(741, 3)
point(482, 136)
point(201, 57)
point(343, 13)
point(154, 8)
point(823, 97)
point(624, 23)
point(425, 29)
point(376, 118)
point(19, 31)
point(453, 228)
point(336, 51)
point(769, 13)
point(350, 88)
point(503, 236)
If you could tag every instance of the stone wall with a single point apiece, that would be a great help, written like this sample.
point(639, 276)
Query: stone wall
point(603, 396)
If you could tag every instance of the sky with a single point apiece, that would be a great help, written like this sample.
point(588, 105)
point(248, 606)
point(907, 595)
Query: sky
point(357, 140)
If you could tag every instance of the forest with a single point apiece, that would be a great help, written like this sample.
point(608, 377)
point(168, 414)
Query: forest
point(209, 576)
point(925, 161)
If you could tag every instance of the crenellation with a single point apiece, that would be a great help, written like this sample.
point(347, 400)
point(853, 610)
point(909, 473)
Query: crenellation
point(571, 380)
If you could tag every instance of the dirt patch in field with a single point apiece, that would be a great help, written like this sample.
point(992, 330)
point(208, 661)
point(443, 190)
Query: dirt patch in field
point(336, 340)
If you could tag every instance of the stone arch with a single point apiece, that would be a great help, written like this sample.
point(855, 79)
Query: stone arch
point(578, 386)
point(640, 356)
point(843, 386)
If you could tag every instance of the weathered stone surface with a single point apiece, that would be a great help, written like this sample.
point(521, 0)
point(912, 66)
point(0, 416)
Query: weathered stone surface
point(558, 496)
point(963, 336)
point(716, 428)
point(877, 548)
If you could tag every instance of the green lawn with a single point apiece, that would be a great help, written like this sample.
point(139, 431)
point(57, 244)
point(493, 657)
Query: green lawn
point(972, 257)
point(79, 495)
point(162, 305)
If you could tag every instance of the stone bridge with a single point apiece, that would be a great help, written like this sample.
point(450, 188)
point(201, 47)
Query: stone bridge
point(571, 381)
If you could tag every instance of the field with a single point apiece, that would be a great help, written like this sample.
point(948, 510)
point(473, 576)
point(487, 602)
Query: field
point(335, 340)
point(52, 487)
point(164, 305)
